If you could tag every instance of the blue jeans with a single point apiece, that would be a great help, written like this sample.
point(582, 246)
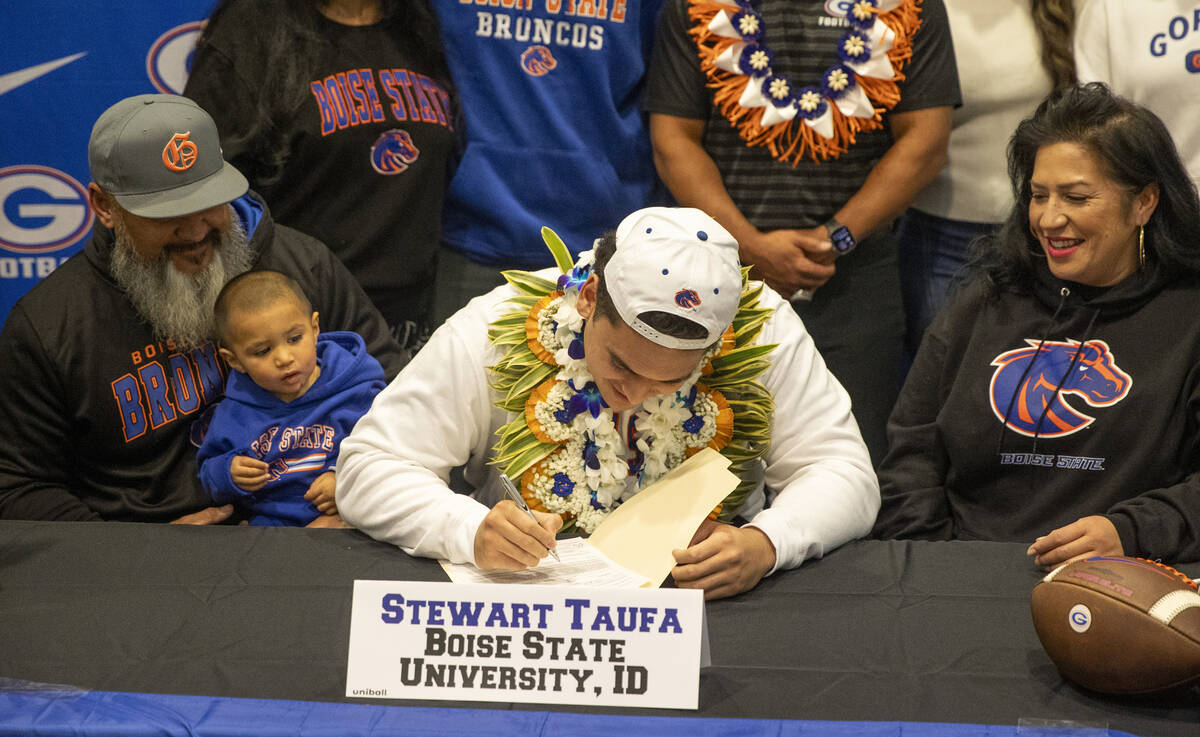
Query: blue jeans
point(932, 251)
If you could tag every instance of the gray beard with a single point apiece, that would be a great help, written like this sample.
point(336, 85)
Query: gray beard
point(179, 307)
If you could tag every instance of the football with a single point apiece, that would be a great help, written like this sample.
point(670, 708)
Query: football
point(1120, 625)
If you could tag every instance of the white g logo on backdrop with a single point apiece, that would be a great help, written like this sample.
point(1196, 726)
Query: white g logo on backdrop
point(838, 8)
point(170, 58)
point(41, 209)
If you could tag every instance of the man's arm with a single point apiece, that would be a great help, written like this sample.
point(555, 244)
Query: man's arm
point(34, 457)
point(917, 154)
point(821, 489)
point(394, 467)
point(800, 258)
point(826, 491)
point(786, 260)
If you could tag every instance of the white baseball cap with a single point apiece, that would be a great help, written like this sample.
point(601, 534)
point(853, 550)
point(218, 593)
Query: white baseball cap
point(676, 260)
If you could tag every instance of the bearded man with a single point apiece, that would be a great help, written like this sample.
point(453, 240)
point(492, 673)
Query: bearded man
point(109, 365)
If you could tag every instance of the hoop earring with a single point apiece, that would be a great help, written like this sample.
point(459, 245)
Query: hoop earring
point(1141, 246)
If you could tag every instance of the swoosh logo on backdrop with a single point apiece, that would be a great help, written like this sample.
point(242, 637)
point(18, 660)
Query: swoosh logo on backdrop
point(13, 80)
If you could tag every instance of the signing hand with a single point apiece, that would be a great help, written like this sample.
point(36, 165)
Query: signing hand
point(206, 516)
point(1081, 539)
point(250, 474)
point(508, 539)
point(789, 260)
point(723, 560)
point(320, 493)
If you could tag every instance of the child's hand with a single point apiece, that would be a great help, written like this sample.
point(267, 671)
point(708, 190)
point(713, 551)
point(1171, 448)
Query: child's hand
point(320, 493)
point(250, 474)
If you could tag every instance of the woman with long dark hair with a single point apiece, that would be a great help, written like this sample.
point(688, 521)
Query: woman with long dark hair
point(341, 114)
point(993, 44)
point(1056, 400)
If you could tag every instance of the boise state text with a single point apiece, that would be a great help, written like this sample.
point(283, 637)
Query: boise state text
point(357, 96)
point(534, 645)
point(553, 23)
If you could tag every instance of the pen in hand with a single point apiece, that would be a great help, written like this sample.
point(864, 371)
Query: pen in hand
point(511, 490)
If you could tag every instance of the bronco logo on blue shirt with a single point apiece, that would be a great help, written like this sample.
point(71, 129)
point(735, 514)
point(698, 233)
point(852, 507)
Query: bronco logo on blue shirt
point(1029, 400)
point(537, 61)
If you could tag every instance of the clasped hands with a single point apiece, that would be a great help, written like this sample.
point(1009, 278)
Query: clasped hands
point(792, 259)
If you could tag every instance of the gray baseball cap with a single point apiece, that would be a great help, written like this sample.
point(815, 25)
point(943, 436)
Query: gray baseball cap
point(160, 157)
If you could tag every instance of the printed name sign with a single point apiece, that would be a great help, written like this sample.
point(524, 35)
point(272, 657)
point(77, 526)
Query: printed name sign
point(532, 644)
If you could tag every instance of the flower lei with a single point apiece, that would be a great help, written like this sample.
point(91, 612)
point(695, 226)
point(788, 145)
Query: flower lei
point(820, 120)
point(563, 443)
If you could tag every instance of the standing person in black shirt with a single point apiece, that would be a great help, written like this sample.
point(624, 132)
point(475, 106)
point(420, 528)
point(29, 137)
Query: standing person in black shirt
point(341, 115)
point(860, 124)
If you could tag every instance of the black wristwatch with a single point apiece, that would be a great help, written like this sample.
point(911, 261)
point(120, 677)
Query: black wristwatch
point(841, 237)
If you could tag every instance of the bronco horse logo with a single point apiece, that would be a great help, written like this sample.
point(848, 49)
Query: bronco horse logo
point(393, 151)
point(537, 61)
point(1096, 379)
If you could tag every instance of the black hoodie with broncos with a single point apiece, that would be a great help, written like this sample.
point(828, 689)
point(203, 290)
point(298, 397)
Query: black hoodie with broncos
point(1025, 412)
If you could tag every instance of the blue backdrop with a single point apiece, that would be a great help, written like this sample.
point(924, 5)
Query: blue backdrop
point(71, 60)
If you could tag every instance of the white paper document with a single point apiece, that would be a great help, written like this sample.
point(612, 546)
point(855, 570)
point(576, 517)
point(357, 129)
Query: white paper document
point(632, 547)
point(581, 564)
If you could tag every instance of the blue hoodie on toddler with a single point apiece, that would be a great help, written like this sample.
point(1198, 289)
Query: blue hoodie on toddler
point(298, 440)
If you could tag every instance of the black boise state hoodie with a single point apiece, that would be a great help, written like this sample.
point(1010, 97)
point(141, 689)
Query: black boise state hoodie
point(1025, 412)
point(103, 419)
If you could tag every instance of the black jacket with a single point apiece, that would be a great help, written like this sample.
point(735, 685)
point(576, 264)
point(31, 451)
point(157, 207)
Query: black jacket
point(102, 418)
point(1117, 437)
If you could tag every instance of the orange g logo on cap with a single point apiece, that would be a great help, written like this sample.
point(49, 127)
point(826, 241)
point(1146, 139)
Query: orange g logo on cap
point(180, 153)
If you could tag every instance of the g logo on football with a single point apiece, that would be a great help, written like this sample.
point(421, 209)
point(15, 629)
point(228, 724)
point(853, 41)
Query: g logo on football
point(1080, 618)
point(170, 58)
point(41, 209)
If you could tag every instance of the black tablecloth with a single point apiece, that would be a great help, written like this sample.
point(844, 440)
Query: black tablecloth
point(890, 631)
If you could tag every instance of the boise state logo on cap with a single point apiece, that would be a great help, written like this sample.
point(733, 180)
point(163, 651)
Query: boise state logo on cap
point(687, 298)
point(676, 260)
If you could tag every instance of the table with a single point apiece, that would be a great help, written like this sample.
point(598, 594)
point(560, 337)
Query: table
point(875, 631)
